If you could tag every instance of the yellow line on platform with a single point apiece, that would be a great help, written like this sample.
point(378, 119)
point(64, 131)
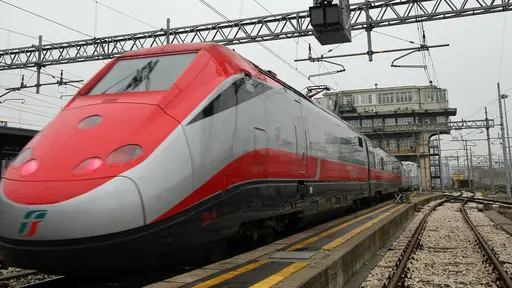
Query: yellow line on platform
point(279, 276)
point(354, 232)
point(332, 230)
point(229, 275)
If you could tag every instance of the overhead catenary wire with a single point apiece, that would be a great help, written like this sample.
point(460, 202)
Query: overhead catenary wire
point(23, 34)
point(125, 14)
point(297, 41)
point(45, 18)
point(261, 44)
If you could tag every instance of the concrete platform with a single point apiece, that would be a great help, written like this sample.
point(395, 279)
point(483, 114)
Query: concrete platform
point(325, 256)
point(502, 221)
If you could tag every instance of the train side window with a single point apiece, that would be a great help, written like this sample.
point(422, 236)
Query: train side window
point(360, 141)
point(225, 100)
point(247, 90)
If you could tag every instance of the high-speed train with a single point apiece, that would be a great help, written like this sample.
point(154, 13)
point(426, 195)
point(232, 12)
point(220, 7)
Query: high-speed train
point(170, 149)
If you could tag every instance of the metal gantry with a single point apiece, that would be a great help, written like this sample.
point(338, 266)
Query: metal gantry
point(429, 127)
point(366, 15)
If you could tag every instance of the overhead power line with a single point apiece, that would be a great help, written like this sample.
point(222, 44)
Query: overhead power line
point(122, 13)
point(22, 34)
point(45, 18)
point(261, 44)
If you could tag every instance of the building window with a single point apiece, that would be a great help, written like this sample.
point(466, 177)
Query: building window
point(385, 98)
point(436, 95)
point(390, 122)
point(403, 97)
point(405, 121)
point(354, 123)
point(367, 123)
point(377, 122)
point(441, 119)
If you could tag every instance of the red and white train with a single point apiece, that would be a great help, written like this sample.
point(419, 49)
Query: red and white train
point(171, 148)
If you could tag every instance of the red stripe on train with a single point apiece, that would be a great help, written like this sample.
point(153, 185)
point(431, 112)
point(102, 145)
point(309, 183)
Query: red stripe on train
point(275, 164)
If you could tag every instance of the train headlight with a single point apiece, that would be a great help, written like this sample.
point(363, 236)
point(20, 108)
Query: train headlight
point(30, 167)
point(124, 154)
point(88, 165)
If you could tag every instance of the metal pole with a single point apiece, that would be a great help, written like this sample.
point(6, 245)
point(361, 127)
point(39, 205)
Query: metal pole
point(467, 161)
point(440, 162)
point(419, 165)
point(458, 162)
point(168, 36)
point(505, 158)
point(472, 169)
point(39, 59)
point(506, 123)
point(448, 169)
point(489, 151)
point(369, 31)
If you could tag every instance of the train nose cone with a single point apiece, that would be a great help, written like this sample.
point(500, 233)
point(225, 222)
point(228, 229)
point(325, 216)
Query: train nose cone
point(111, 207)
point(76, 144)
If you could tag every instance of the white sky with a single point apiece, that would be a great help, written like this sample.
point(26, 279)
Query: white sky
point(478, 57)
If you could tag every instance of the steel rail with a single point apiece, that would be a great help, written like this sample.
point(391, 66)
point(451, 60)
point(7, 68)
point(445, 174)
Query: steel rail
point(58, 281)
point(13, 276)
point(507, 281)
point(412, 244)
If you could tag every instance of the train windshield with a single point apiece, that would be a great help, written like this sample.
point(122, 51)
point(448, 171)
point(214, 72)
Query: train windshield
point(143, 74)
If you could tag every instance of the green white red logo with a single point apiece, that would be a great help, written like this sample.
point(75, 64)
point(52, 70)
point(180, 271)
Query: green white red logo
point(31, 220)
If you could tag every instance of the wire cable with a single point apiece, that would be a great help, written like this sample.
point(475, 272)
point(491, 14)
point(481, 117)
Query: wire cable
point(297, 41)
point(22, 34)
point(45, 18)
point(264, 46)
point(122, 13)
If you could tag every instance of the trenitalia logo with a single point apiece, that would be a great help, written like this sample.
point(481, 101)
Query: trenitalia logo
point(31, 219)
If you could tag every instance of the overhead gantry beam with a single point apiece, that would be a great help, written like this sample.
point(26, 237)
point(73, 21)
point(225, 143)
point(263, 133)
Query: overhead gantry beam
point(380, 13)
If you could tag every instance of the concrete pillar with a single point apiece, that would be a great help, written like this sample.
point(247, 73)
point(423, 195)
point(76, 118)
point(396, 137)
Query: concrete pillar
point(423, 139)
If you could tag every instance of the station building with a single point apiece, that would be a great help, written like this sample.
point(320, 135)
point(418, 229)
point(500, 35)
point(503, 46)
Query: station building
point(402, 120)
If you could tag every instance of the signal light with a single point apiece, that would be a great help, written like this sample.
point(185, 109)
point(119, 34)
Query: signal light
point(30, 167)
point(88, 165)
point(124, 154)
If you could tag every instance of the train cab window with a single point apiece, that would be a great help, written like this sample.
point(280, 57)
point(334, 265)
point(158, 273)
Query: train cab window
point(143, 74)
point(360, 141)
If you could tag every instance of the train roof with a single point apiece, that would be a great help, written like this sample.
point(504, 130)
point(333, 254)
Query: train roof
point(170, 48)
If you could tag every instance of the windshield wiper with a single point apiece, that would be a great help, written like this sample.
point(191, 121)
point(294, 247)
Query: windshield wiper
point(137, 78)
point(140, 76)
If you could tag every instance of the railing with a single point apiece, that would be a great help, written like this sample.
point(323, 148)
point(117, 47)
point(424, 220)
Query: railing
point(427, 127)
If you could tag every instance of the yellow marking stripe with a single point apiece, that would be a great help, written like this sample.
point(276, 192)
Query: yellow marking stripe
point(231, 274)
point(279, 276)
point(413, 194)
point(354, 232)
point(332, 230)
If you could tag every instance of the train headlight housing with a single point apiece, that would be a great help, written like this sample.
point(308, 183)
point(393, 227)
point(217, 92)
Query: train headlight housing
point(88, 165)
point(124, 154)
point(30, 167)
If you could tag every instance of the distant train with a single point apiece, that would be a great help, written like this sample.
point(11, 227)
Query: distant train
point(175, 149)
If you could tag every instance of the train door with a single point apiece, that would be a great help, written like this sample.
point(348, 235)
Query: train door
point(301, 136)
point(369, 158)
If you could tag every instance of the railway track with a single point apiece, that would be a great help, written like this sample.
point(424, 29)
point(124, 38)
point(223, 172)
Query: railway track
point(447, 249)
point(18, 277)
